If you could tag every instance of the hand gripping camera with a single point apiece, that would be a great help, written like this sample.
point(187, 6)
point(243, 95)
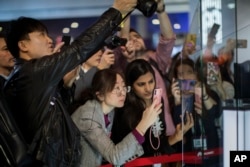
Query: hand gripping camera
point(114, 41)
point(147, 7)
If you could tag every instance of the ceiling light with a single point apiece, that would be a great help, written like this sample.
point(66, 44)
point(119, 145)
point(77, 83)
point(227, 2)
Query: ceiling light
point(231, 5)
point(74, 25)
point(177, 26)
point(155, 22)
point(66, 30)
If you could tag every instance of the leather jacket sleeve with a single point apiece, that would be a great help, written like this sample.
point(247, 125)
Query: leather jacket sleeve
point(83, 47)
point(33, 83)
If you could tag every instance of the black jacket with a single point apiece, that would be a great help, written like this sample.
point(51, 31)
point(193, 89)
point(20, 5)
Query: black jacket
point(33, 84)
point(13, 147)
point(2, 81)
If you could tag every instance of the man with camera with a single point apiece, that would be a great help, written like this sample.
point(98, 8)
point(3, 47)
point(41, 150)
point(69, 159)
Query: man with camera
point(160, 58)
point(32, 89)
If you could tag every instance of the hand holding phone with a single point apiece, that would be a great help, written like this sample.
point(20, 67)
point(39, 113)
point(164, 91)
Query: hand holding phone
point(214, 30)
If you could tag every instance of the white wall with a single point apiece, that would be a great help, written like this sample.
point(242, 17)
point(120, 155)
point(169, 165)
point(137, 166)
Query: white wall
point(243, 23)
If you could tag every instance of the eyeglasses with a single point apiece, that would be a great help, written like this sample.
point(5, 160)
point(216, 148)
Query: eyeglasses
point(119, 91)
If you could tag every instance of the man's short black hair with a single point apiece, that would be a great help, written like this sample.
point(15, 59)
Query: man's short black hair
point(133, 30)
point(19, 30)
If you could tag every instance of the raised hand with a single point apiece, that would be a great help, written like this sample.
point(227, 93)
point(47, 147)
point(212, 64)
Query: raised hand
point(149, 116)
point(128, 51)
point(108, 58)
point(182, 128)
point(58, 47)
point(125, 6)
point(176, 92)
point(71, 76)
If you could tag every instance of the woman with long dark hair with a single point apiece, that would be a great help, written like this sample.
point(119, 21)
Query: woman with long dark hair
point(140, 76)
point(206, 107)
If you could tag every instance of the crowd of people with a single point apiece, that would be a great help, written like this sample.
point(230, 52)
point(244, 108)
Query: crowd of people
point(86, 104)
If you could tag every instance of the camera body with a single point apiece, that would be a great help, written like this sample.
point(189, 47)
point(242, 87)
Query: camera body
point(147, 7)
point(114, 41)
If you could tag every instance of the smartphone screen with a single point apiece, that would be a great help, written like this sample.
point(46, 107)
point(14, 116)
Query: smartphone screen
point(187, 85)
point(157, 95)
point(187, 103)
point(241, 43)
point(212, 73)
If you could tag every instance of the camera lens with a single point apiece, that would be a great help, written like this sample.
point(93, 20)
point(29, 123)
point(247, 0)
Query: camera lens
point(147, 7)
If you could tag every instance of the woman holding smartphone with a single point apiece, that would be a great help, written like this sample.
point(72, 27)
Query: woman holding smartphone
point(140, 76)
point(206, 109)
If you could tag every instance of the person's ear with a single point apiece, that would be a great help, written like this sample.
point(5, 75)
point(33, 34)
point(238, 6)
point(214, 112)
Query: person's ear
point(22, 46)
point(100, 96)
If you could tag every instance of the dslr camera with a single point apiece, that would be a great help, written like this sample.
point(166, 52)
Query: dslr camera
point(147, 7)
point(114, 41)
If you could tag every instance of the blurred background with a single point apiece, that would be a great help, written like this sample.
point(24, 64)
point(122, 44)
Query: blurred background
point(70, 17)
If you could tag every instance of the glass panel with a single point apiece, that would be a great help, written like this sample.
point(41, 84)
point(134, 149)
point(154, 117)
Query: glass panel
point(214, 32)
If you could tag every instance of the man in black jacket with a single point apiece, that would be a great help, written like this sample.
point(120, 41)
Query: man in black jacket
point(6, 60)
point(32, 90)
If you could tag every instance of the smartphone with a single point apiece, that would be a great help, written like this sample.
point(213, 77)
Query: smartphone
point(212, 73)
point(157, 95)
point(66, 39)
point(186, 85)
point(214, 30)
point(187, 102)
point(191, 39)
point(241, 43)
